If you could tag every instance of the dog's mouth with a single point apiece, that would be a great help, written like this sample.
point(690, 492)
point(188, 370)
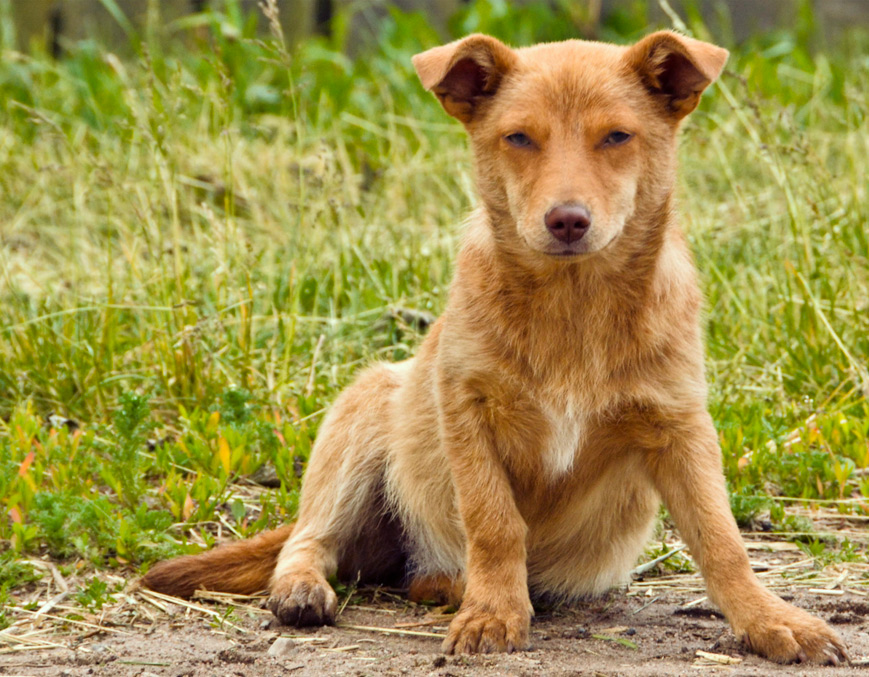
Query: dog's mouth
point(576, 250)
point(558, 251)
point(565, 253)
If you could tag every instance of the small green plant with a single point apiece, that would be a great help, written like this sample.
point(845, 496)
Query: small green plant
point(5, 621)
point(814, 548)
point(800, 526)
point(235, 407)
point(228, 617)
point(14, 573)
point(830, 551)
point(94, 595)
point(129, 434)
point(747, 508)
point(677, 563)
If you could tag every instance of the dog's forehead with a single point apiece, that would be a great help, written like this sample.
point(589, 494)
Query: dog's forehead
point(574, 75)
point(570, 51)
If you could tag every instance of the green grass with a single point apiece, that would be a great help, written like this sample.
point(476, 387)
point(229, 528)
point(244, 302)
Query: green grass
point(199, 247)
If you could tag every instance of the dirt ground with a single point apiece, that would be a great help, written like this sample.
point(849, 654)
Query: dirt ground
point(651, 628)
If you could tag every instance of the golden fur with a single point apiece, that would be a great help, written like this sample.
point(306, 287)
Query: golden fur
point(561, 395)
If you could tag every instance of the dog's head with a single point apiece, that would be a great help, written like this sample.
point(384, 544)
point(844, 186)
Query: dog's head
point(572, 138)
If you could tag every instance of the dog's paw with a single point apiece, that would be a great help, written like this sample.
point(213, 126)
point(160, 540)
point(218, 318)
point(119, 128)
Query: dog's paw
point(302, 599)
point(786, 634)
point(475, 630)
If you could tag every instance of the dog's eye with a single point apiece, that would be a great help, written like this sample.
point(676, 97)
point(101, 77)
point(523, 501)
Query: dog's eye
point(617, 138)
point(518, 140)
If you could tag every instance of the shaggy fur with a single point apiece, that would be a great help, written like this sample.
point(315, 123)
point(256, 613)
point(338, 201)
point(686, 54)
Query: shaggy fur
point(561, 395)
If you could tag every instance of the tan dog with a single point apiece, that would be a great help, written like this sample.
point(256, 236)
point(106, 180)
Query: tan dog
point(559, 397)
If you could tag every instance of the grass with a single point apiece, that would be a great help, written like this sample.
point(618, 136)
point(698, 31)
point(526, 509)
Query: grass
point(200, 246)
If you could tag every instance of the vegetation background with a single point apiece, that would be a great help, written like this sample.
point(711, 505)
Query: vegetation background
point(201, 243)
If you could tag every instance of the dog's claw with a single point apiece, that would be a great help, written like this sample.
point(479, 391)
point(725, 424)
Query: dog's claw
point(789, 635)
point(303, 600)
point(477, 631)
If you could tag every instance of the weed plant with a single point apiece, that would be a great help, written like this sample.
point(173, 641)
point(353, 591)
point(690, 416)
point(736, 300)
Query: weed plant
point(202, 243)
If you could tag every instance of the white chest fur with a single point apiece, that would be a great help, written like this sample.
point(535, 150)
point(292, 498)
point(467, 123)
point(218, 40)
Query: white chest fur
point(566, 431)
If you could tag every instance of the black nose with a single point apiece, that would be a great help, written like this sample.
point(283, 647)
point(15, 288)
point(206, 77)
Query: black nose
point(568, 223)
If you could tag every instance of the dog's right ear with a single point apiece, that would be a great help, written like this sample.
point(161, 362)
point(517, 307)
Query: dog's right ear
point(465, 73)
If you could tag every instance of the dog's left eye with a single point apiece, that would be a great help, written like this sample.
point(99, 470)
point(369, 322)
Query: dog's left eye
point(617, 138)
point(519, 140)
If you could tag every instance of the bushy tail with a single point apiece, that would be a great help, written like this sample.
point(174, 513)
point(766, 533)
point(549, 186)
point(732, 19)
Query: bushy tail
point(242, 568)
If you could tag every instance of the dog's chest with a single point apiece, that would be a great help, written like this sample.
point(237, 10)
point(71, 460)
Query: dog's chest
point(567, 428)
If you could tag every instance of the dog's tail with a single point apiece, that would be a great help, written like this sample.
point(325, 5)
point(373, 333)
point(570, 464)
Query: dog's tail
point(241, 568)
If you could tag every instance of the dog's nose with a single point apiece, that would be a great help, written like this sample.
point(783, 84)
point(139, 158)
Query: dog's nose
point(568, 223)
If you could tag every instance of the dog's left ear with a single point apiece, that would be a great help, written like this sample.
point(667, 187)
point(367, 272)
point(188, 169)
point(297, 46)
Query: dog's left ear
point(676, 68)
point(465, 73)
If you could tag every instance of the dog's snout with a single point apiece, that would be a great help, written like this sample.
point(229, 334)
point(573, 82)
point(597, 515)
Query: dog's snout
point(568, 223)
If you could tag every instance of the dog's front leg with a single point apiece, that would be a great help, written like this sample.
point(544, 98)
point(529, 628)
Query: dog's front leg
point(496, 611)
point(687, 471)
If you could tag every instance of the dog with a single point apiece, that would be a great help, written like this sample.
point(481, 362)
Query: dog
point(559, 398)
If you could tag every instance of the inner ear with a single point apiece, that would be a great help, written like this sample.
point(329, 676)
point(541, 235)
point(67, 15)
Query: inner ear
point(676, 68)
point(679, 78)
point(465, 73)
point(465, 81)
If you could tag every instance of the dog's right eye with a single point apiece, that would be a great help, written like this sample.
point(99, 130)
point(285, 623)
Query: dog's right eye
point(617, 138)
point(518, 140)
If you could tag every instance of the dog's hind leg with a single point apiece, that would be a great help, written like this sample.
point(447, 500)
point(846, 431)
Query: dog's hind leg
point(343, 524)
point(437, 588)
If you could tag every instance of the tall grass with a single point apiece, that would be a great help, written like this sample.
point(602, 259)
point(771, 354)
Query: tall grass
point(199, 248)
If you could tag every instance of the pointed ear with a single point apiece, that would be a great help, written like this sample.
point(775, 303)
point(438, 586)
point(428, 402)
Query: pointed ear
point(676, 68)
point(465, 73)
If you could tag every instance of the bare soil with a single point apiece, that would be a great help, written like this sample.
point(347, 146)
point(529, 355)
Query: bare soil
point(644, 630)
